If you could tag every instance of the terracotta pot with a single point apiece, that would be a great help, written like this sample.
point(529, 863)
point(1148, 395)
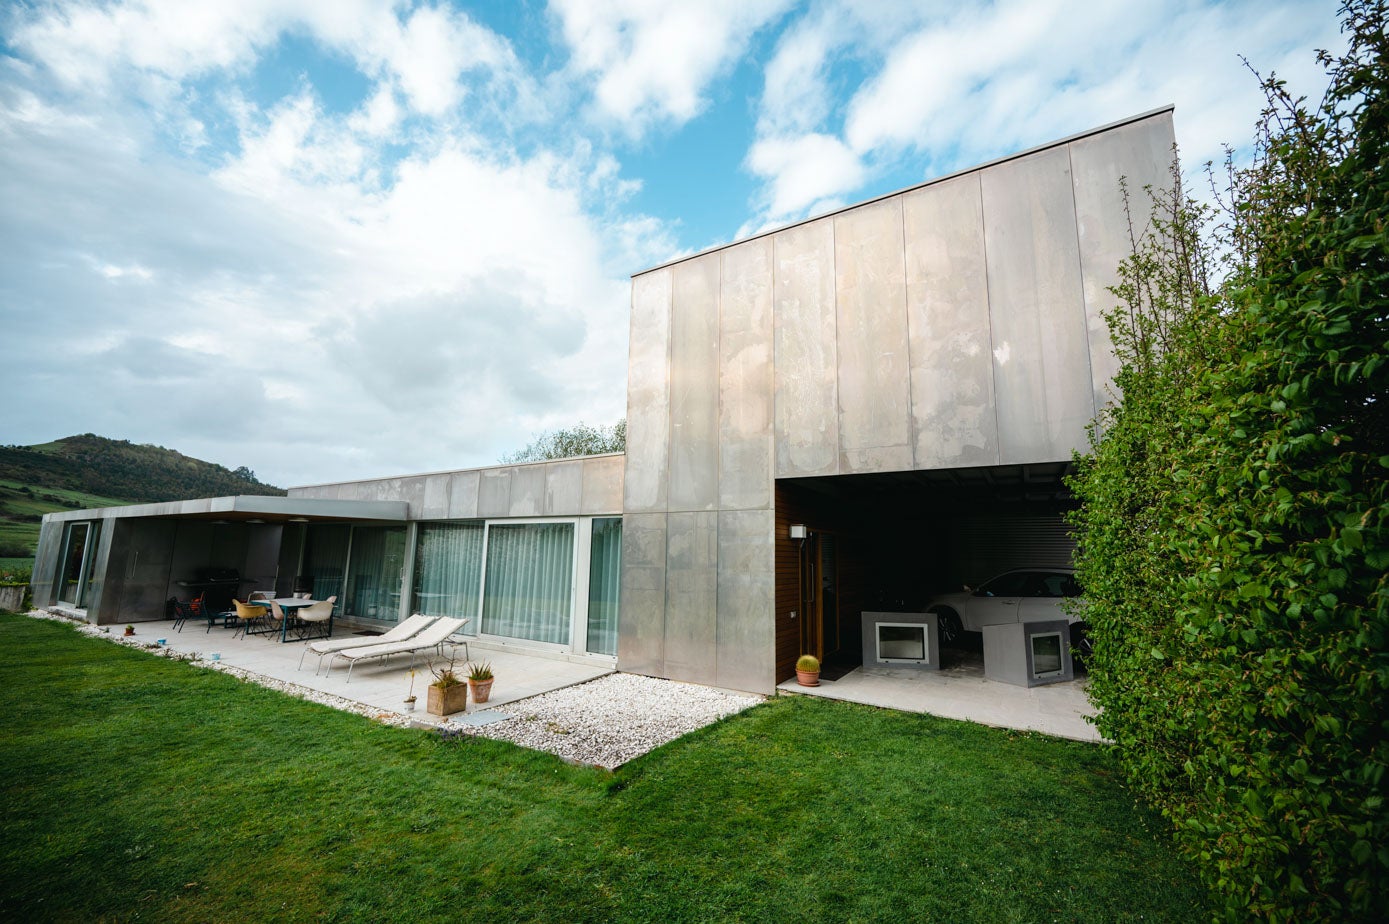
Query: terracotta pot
point(482, 689)
point(448, 700)
point(129, 630)
point(807, 678)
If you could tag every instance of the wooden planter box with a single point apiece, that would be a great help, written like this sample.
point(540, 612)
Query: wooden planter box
point(448, 700)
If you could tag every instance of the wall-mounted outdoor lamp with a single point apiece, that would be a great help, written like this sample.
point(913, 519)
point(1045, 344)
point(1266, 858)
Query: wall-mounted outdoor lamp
point(798, 531)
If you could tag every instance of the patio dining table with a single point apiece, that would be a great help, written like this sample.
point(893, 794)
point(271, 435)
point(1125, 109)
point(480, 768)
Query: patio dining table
point(289, 605)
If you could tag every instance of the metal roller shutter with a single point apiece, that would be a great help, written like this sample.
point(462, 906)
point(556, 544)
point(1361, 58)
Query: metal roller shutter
point(987, 545)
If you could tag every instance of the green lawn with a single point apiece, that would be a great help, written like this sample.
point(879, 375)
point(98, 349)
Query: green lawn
point(136, 787)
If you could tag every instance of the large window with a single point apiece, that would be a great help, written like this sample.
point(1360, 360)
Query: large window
point(448, 570)
point(325, 559)
point(529, 590)
point(604, 573)
point(375, 572)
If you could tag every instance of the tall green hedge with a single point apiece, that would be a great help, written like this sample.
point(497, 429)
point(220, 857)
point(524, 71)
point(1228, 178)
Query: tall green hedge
point(1234, 519)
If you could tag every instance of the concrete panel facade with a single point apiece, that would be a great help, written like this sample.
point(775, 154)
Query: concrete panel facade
point(874, 382)
point(588, 486)
point(1134, 152)
point(694, 385)
point(691, 606)
point(746, 406)
point(648, 395)
point(807, 355)
point(642, 611)
point(955, 324)
point(1043, 391)
point(952, 376)
point(746, 637)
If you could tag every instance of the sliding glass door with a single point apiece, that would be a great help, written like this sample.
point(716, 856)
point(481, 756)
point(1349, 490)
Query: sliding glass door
point(448, 571)
point(325, 559)
point(553, 582)
point(529, 591)
point(604, 573)
point(375, 570)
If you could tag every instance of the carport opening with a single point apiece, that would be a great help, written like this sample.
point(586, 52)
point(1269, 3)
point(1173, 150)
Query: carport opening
point(890, 542)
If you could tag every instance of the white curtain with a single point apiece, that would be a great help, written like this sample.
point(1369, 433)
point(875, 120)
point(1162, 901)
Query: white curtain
point(375, 572)
point(605, 570)
point(529, 581)
point(325, 559)
point(448, 570)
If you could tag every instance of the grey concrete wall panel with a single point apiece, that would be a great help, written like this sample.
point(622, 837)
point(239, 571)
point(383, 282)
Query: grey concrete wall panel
point(874, 364)
point(494, 493)
point(43, 581)
point(642, 609)
point(435, 505)
point(952, 376)
point(648, 395)
point(746, 397)
point(410, 490)
point(463, 495)
point(694, 385)
point(527, 491)
point(102, 608)
point(564, 488)
point(691, 596)
point(807, 422)
point(147, 559)
point(602, 485)
point(1141, 152)
point(1042, 382)
point(746, 630)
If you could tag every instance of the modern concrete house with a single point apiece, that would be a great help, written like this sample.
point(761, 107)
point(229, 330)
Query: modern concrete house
point(900, 384)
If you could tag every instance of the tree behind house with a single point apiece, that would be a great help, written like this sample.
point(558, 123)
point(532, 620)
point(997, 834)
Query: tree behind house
point(578, 440)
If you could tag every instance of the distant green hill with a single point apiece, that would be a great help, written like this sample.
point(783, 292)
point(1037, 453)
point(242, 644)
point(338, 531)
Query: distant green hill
point(85, 471)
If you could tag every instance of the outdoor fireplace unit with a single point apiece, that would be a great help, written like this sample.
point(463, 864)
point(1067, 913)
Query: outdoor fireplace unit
point(1028, 654)
point(900, 640)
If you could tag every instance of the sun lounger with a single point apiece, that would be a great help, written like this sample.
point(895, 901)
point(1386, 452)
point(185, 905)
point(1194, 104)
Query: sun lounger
point(430, 637)
point(407, 629)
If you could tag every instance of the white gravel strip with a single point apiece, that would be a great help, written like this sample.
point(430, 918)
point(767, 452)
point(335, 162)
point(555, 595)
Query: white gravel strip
point(611, 720)
point(605, 722)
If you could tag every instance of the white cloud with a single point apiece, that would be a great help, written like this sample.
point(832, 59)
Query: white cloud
point(653, 59)
point(946, 89)
point(805, 170)
point(323, 303)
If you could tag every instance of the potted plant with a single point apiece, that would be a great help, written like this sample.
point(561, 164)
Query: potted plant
point(129, 630)
point(808, 670)
point(480, 680)
point(410, 696)
point(447, 694)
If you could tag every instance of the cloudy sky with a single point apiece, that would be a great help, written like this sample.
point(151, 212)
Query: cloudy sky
point(331, 239)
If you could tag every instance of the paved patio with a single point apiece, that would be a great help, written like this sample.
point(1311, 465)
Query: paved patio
point(959, 691)
point(380, 684)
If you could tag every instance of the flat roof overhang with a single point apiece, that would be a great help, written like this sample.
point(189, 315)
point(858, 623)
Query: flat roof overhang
point(965, 488)
point(246, 508)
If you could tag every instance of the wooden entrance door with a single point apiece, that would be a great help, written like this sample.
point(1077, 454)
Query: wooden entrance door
point(820, 629)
